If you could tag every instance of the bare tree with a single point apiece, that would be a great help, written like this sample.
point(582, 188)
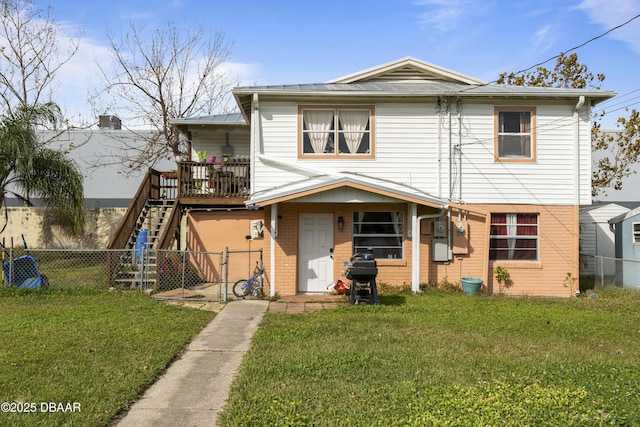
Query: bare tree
point(31, 54)
point(158, 75)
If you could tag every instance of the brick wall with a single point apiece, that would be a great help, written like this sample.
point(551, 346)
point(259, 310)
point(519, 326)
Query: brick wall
point(558, 234)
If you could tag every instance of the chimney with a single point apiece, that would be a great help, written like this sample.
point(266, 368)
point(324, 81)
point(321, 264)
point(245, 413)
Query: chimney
point(109, 122)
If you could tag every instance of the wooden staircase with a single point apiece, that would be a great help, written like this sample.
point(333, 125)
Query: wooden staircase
point(134, 264)
point(138, 267)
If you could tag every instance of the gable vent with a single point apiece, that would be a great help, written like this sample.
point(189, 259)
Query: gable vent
point(405, 74)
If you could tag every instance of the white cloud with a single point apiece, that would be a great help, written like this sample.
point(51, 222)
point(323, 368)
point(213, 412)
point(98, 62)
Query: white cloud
point(543, 39)
point(77, 77)
point(244, 72)
point(442, 14)
point(80, 76)
point(611, 13)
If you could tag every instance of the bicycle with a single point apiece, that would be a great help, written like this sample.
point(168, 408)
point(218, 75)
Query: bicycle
point(250, 286)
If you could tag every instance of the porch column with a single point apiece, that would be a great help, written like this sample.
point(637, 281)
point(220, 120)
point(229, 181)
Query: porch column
point(272, 262)
point(415, 248)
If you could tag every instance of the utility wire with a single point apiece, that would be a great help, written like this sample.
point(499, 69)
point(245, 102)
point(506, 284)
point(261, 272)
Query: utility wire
point(551, 125)
point(591, 40)
point(554, 124)
point(580, 45)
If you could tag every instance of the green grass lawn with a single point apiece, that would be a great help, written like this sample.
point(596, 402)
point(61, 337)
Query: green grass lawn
point(445, 359)
point(91, 348)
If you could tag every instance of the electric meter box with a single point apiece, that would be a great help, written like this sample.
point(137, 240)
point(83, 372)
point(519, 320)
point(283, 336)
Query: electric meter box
point(439, 229)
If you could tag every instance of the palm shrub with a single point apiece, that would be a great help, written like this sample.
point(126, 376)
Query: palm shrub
point(29, 169)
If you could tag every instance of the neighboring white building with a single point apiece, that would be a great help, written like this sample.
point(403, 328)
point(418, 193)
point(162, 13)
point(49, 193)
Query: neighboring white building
point(106, 185)
point(597, 238)
point(626, 227)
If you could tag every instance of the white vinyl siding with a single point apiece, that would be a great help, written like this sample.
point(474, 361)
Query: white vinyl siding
point(409, 139)
point(548, 180)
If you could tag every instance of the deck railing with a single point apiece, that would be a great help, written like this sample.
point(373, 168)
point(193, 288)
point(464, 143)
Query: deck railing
point(228, 179)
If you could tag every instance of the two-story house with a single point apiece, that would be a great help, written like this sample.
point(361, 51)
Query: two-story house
point(440, 175)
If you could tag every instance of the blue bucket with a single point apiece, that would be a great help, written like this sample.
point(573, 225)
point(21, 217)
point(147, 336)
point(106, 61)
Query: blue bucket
point(471, 285)
point(141, 243)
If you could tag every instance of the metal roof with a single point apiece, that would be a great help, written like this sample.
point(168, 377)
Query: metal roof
point(432, 88)
point(406, 77)
point(217, 119)
point(420, 89)
point(322, 183)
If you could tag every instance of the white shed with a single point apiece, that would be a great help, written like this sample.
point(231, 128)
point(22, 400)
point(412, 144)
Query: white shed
point(596, 239)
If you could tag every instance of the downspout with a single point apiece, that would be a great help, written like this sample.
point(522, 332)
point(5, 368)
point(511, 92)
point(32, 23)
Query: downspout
point(459, 110)
point(189, 144)
point(449, 233)
point(415, 243)
point(254, 154)
point(450, 150)
point(439, 170)
point(255, 136)
point(576, 136)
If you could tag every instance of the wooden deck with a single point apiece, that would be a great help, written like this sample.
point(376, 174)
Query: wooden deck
point(192, 183)
point(219, 180)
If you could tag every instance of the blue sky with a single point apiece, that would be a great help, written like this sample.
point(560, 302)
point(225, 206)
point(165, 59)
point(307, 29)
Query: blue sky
point(280, 42)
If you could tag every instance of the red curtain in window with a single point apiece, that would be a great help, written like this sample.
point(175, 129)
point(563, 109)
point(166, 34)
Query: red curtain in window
point(526, 249)
point(517, 246)
point(498, 248)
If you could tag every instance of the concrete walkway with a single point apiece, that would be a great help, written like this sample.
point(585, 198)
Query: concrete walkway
point(196, 386)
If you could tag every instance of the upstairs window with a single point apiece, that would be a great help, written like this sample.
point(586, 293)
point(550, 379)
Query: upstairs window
point(330, 132)
point(515, 133)
point(514, 237)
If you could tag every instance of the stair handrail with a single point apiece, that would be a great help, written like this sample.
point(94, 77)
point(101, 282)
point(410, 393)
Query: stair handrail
point(171, 227)
point(149, 189)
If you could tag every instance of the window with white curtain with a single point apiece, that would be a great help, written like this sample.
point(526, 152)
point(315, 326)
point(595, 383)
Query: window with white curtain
point(343, 131)
point(381, 233)
point(515, 133)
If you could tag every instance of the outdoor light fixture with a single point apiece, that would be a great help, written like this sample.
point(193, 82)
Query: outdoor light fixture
point(340, 223)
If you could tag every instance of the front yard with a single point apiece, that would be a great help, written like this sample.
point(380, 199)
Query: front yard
point(434, 359)
point(79, 356)
point(445, 359)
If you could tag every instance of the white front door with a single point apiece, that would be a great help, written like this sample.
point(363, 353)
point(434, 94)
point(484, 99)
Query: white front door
point(315, 247)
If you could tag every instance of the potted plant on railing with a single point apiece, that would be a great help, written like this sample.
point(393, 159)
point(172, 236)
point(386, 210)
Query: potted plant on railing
point(202, 156)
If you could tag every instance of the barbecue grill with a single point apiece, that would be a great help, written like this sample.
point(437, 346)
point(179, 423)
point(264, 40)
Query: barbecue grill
point(362, 272)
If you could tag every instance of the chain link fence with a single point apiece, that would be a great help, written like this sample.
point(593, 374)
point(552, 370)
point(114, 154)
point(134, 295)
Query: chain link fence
point(604, 271)
point(165, 274)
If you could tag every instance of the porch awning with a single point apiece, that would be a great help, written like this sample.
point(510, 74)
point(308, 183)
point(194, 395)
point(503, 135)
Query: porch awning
point(325, 183)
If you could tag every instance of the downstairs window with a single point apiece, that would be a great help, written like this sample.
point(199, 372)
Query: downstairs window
point(514, 237)
point(379, 232)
